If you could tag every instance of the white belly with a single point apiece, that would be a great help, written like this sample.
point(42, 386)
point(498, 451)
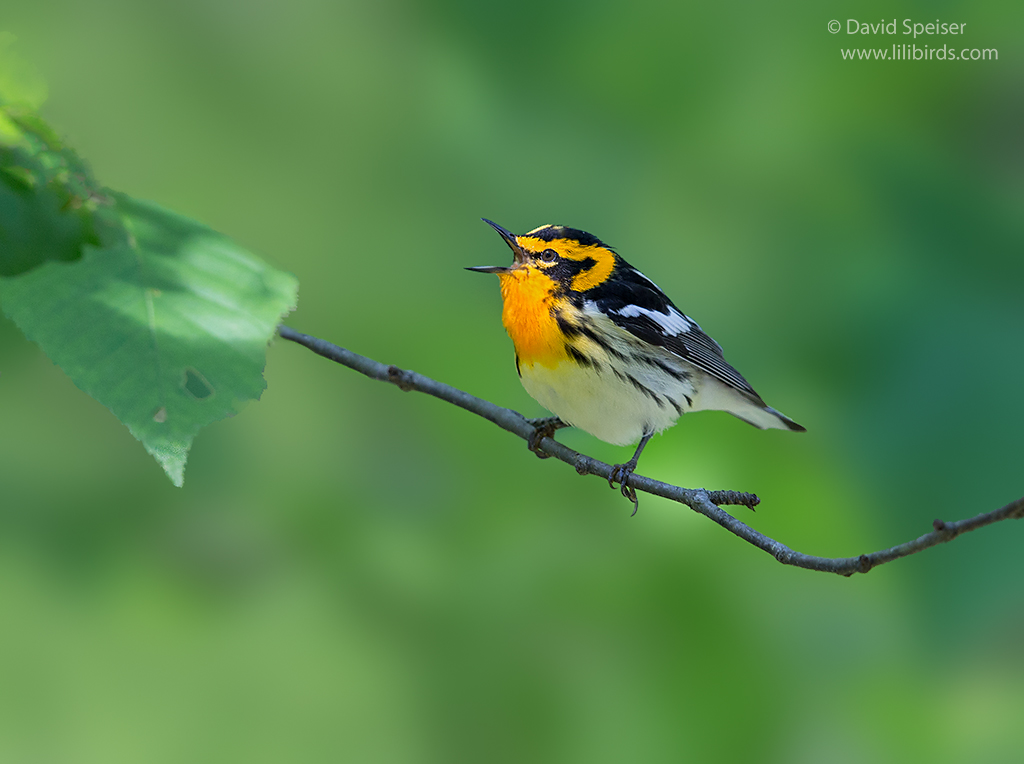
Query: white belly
point(610, 406)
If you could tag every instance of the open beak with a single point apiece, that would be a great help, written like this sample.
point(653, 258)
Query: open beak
point(510, 239)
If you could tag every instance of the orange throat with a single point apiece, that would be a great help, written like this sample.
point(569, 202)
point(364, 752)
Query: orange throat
point(529, 299)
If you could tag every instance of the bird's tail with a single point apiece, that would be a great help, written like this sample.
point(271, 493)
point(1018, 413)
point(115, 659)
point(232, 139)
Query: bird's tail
point(771, 418)
point(717, 396)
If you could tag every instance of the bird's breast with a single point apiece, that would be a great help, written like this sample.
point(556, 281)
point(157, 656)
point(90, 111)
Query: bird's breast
point(528, 314)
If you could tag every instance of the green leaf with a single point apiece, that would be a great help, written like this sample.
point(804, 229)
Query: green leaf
point(50, 205)
point(159, 318)
point(166, 324)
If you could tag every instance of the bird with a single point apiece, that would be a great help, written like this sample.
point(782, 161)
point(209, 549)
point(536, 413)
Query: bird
point(604, 349)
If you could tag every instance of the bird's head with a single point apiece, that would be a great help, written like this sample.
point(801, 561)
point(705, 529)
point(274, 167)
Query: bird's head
point(575, 261)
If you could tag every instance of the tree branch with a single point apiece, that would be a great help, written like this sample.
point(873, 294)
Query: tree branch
point(698, 499)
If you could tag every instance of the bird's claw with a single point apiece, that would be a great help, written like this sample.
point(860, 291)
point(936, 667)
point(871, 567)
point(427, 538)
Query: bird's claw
point(620, 474)
point(544, 427)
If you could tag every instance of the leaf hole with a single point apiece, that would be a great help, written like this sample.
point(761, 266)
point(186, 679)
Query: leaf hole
point(195, 384)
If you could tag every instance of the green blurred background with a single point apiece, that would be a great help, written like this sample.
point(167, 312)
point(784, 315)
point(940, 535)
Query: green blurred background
point(355, 574)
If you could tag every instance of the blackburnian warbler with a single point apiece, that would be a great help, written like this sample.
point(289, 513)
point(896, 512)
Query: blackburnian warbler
point(599, 345)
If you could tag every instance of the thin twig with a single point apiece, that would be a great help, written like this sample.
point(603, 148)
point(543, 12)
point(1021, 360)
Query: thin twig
point(698, 499)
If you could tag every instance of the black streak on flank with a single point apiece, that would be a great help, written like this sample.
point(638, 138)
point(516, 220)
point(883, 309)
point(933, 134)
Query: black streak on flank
point(645, 390)
point(581, 359)
point(602, 343)
point(567, 328)
point(677, 374)
point(517, 366)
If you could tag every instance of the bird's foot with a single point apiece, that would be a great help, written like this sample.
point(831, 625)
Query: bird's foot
point(620, 474)
point(543, 427)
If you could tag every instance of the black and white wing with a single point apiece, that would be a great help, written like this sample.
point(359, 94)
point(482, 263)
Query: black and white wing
point(634, 303)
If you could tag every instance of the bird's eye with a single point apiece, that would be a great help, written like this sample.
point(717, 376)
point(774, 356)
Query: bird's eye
point(548, 255)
